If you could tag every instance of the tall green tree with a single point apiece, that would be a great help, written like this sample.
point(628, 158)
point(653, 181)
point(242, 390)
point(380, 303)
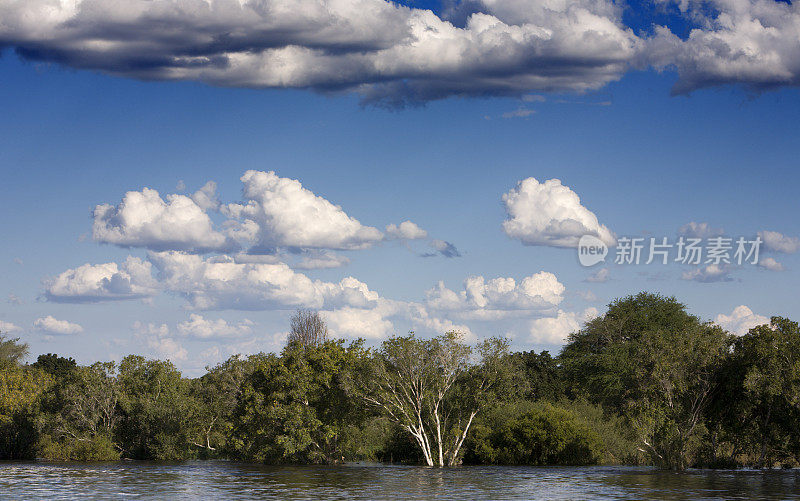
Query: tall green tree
point(82, 424)
point(766, 377)
point(21, 392)
point(217, 394)
point(156, 410)
point(540, 376)
point(655, 364)
point(60, 368)
point(293, 409)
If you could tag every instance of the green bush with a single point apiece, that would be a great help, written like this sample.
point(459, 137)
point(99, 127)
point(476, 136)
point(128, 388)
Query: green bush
point(619, 439)
point(97, 448)
point(533, 434)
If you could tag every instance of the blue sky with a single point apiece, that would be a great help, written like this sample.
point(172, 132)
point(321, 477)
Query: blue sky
point(643, 161)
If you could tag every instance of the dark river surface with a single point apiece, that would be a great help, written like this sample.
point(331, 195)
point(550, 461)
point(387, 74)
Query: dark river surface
point(224, 480)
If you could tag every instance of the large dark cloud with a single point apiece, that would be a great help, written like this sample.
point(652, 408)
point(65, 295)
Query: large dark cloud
point(383, 51)
point(394, 55)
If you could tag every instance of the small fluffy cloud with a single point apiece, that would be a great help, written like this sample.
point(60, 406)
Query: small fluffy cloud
point(708, 274)
point(779, 242)
point(198, 327)
point(51, 325)
point(280, 212)
point(556, 330)
point(770, 264)
point(360, 322)
point(406, 230)
point(601, 276)
point(519, 113)
point(103, 282)
point(699, 230)
point(424, 320)
point(550, 214)
point(495, 298)
point(741, 320)
point(151, 329)
point(249, 346)
point(7, 327)
point(167, 348)
point(158, 340)
point(442, 248)
point(144, 219)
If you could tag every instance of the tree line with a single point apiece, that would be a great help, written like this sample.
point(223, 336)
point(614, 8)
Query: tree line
point(644, 383)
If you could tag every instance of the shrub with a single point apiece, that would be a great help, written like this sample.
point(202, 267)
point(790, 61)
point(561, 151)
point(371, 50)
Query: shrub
point(533, 434)
point(97, 448)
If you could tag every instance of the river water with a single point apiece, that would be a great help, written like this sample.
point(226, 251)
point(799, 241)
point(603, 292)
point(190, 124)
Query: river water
point(230, 481)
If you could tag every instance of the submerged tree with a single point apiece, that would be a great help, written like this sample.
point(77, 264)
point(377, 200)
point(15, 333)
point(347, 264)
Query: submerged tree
point(81, 423)
point(656, 365)
point(307, 328)
point(21, 391)
point(293, 409)
point(432, 389)
point(766, 373)
point(156, 410)
point(217, 393)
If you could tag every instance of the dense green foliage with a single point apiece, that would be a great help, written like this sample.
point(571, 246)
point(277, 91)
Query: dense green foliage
point(293, 408)
point(656, 365)
point(644, 383)
point(533, 434)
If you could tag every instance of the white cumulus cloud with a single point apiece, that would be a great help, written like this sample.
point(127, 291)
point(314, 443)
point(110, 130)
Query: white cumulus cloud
point(600, 276)
point(198, 327)
point(495, 298)
point(144, 219)
point(158, 339)
point(555, 330)
point(709, 273)
point(221, 283)
point(550, 214)
point(754, 43)
point(361, 322)
point(280, 212)
point(407, 230)
point(741, 320)
point(7, 327)
point(52, 325)
point(770, 264)
point(694, 229)
point(779, 242)
point(103, 282)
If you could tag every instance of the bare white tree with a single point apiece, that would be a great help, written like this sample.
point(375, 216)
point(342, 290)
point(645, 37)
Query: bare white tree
point(432, 390)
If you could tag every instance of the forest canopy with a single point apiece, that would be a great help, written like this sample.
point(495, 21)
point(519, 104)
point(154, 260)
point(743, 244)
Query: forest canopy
point(644, 383)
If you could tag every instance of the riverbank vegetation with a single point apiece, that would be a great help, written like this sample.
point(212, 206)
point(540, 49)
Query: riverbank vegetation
point(644, 383)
